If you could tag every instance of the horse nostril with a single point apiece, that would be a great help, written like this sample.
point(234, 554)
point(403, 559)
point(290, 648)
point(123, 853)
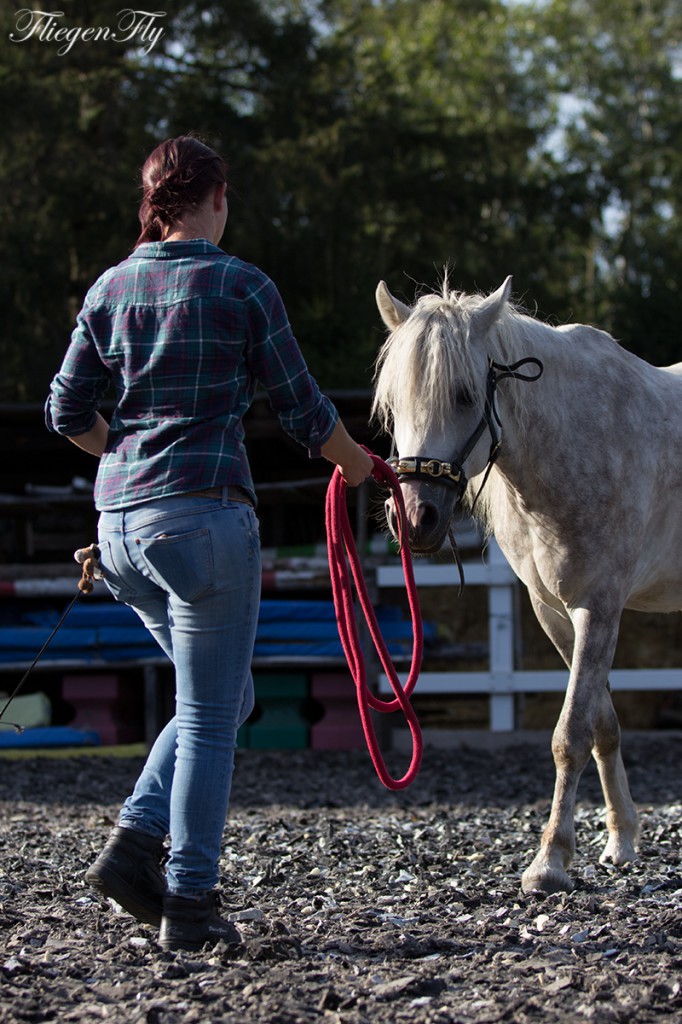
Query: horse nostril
point(426, 517)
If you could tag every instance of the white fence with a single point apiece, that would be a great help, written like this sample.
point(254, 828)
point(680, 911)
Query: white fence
point(503, 681)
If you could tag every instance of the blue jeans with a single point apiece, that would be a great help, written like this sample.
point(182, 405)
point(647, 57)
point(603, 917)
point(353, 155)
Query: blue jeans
point(190, 567)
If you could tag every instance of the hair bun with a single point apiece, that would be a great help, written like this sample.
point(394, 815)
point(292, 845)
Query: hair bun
point(177, 175)
point(163, 192)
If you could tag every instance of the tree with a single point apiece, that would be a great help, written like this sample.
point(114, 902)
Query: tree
point(406, 140)
point(74, 132)
point(366, 139)
point(619, 63)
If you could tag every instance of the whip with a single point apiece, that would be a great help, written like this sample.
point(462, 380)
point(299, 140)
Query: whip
point(88, 559)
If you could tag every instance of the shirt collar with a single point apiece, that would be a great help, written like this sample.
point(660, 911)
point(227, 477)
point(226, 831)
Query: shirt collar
point(174, 250)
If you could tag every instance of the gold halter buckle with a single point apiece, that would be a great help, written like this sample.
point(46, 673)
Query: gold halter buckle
point(425, 467)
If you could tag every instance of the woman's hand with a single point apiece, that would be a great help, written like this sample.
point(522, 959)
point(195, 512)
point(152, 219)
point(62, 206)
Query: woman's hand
point(355, 464)
point(358, 468)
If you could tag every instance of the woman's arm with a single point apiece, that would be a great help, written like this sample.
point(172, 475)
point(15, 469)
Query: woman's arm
point(78, 389)
point(353, 461)
point(277, 362)
point(93, 441)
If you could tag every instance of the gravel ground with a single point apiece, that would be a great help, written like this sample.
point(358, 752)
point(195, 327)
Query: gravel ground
point(356, 904)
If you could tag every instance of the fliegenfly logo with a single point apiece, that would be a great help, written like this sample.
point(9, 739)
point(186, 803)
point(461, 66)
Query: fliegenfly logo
point(136, 28)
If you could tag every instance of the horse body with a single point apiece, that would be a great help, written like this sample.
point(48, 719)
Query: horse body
point(603, 502)
point(584, 497)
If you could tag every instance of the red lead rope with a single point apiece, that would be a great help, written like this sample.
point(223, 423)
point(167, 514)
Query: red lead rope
point(341, 545)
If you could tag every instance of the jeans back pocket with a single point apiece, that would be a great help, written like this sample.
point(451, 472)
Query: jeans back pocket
point(181, 564)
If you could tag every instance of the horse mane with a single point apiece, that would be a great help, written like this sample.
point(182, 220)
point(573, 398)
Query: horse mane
point(429, 354)
point(427, 363)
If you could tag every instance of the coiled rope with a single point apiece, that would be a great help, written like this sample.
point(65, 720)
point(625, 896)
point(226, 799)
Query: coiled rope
point(342, 553)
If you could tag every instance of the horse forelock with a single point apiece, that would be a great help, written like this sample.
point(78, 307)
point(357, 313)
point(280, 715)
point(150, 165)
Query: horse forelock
point(428, 360)
point(439, 350)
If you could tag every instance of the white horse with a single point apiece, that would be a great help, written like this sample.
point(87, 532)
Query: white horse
point(577, 445)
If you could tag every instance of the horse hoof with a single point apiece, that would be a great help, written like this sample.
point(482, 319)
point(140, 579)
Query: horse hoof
point(546, 880)
point(618, 852)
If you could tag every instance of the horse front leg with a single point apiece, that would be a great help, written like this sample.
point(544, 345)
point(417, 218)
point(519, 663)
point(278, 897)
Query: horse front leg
point(622, 821)
point(587, 724)
point(571, 745)
point(548, 870)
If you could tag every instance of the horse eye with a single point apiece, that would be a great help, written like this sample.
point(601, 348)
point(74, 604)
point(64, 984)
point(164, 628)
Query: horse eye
point(464, 397)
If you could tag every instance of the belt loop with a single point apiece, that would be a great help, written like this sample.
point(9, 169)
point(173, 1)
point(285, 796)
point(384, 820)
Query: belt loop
point(224, 496)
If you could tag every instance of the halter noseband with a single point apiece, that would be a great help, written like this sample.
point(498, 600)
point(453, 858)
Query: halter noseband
point(448, 472)
point(423, 468)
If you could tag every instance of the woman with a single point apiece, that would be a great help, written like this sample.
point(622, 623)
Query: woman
point(185, 332)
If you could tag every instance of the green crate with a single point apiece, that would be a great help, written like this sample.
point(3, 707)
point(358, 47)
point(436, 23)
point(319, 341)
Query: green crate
point(281, 725)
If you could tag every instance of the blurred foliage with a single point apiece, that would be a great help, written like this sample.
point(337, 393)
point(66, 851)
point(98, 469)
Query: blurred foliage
point(366, 139)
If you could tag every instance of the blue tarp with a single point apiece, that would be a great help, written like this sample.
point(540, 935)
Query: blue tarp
point(49, 736)
point(113, 632)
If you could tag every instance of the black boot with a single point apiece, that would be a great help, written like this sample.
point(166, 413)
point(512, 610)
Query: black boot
point(189, 923)
point(129, 871)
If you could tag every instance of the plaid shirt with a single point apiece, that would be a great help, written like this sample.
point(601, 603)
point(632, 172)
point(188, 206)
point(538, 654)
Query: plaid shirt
point(185, 333)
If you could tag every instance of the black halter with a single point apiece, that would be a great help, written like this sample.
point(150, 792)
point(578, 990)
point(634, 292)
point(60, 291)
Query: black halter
point(452, 473)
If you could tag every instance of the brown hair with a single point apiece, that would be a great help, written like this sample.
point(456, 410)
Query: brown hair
point(178, 174)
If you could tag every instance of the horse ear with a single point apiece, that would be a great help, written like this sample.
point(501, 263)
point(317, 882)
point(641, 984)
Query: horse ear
point(490, 310)
point(393, 312)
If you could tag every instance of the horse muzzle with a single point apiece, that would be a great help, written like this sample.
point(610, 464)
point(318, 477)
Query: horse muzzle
point(428, 515)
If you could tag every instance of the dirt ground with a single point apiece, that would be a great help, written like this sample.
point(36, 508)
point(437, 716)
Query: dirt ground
point(356, 905)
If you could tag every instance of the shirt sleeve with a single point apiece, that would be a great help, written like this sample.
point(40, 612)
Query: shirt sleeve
point(78, 389)
point(276, 361)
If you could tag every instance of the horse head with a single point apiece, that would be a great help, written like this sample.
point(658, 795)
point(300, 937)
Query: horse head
point(435, 389)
